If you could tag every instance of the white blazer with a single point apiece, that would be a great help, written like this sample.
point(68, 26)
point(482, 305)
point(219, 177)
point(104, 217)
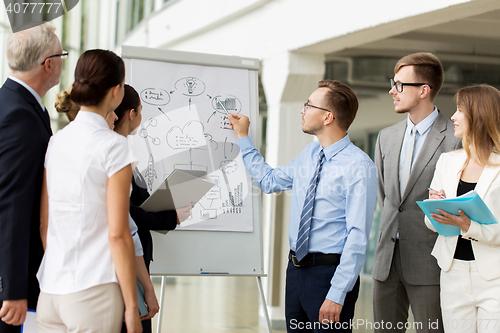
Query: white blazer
point(485, 239)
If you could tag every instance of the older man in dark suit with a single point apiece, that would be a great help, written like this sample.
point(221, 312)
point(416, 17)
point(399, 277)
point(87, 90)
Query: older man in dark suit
point(35, 60)
point(404, 271)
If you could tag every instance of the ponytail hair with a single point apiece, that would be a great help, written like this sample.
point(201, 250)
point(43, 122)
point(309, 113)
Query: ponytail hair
point(97, 71)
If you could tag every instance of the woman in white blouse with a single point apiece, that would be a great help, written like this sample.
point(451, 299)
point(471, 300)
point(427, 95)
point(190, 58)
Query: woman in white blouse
point(87, 275)
point(470, 262)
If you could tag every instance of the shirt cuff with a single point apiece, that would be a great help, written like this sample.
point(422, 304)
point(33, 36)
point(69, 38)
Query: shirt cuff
point(474, 229)
point(244, 143)
point(337, 296)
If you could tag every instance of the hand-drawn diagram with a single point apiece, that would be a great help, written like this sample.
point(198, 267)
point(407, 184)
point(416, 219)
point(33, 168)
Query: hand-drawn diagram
point(190, 136)
point(155, 96)
point(186, 127)
point(227, 165)
point(144, 131)
point(229, 103)
point(190, 86)
point(150, 174)
point(213, 144)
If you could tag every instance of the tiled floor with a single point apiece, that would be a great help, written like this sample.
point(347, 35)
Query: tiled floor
point(203, 304)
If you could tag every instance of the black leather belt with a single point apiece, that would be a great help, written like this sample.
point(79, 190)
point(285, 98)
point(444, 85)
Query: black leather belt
point(315, 259)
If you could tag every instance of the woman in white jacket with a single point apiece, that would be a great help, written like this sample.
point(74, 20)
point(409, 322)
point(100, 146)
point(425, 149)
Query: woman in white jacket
point(470, 263)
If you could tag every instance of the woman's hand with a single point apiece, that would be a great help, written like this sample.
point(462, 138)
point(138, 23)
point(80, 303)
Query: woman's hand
point(462, 221)
point(183, 213)
point(152, 303)
point(434, 195)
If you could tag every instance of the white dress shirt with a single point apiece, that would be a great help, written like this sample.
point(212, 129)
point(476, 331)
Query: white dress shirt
point(79, 161)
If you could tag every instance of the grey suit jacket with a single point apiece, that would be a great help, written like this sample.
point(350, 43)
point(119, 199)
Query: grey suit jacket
point(415, 239)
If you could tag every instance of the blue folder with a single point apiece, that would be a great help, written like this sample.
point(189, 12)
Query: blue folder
point(143, 309)
point(472, 205)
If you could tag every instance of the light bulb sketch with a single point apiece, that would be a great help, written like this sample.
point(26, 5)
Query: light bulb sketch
point(190, 86)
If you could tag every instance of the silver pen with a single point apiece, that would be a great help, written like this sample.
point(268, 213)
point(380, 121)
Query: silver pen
point(219, 102)
point(431, 189)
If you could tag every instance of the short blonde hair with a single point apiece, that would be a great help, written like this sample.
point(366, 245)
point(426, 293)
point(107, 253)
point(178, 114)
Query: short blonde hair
point(26, 49)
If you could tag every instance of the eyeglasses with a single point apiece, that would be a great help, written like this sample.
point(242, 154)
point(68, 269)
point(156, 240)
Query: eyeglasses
point(307, 105)
point(400, 85)
point(63, 55)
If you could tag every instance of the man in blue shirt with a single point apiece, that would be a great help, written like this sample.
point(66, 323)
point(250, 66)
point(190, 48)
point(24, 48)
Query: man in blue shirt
point(334, 187)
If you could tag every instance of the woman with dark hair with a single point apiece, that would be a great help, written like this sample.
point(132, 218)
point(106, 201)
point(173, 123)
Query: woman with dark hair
point(470, 262)
point(87, 276)
point(129, 119)
point(64, 105)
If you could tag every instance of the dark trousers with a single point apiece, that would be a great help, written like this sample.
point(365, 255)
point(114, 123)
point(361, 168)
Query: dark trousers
point(306, 289)
point(146, 326)
point(4, 328)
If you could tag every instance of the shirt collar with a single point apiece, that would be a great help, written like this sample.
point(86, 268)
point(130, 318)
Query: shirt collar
point(31, 90)
point(91, 118)
point(336, 147)
point(425, 124)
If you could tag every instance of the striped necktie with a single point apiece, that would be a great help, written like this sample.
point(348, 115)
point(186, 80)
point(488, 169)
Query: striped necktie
point(305, 221)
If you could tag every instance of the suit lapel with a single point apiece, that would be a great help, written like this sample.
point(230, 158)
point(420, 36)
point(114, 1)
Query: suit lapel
point(397, 144)
point(431, 144)
point(30, 99)
point(46, 119)
point(487, 176)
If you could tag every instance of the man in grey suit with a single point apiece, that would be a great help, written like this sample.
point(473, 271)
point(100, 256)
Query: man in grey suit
point(404, 272)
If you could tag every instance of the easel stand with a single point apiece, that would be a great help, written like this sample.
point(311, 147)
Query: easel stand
point(262, 298)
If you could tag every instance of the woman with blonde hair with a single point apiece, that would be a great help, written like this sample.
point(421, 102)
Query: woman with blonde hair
point(87, 276)
point(470, 262)
point(64, 105)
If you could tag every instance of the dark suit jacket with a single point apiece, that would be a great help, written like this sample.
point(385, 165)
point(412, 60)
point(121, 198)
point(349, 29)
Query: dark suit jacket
point(164, 220)
point(415, 239)
point(24, 135)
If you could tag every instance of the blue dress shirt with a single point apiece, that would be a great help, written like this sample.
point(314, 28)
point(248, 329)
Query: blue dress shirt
point(343, 206)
